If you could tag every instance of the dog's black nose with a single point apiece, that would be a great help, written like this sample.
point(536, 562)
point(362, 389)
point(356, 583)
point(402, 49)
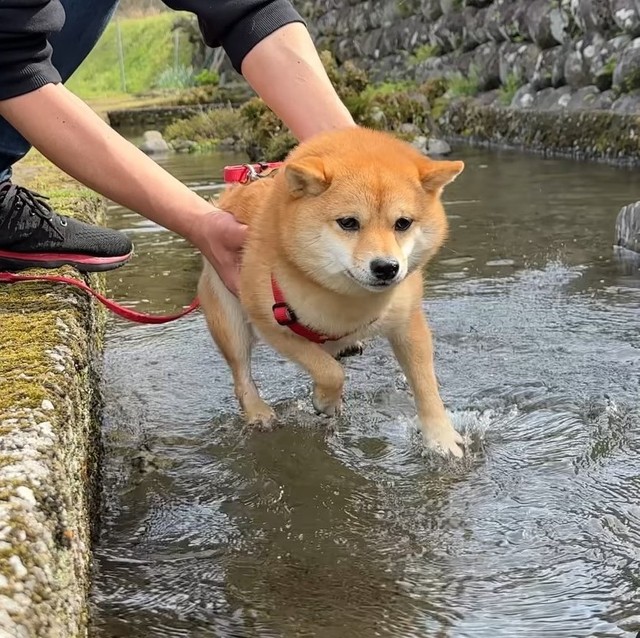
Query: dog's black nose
point(384, 269)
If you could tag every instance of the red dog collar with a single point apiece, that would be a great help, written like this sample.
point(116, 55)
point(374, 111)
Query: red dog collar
point(282, 313)
point(285, 316)
point(244, 173)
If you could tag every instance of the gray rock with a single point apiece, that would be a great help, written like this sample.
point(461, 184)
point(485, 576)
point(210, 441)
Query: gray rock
point(626, 15)
point(582, 99)
point(628, 103)
point(552, 99)
point(447, 5)
point(473, 31)
point(599, 57)
point(489, 98)
point(626, 76)
point(627, 231)
point(487, 66)
point(420, 142)
point(494, 17)
point(524, 97)
point(464, 62)
point(437, 147)
point(506, 20)
point(589, 62)
point(543, 70)
point(603, 101)
point(558, 77)
point(153, 143)
point(592, 15)
point(431, 146)
point(430, 9)
point(409, 128)
point(517, 61)
point(447, 32)
point(546, 24)
point(513, 20)
point(561, 22)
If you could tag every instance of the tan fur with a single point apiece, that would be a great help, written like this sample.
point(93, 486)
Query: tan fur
point(325, 271)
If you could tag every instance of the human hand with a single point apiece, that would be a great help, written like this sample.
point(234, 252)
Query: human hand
point(220, 239)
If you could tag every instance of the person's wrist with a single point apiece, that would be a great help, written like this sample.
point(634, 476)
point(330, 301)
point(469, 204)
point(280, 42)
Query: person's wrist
point(194, 231)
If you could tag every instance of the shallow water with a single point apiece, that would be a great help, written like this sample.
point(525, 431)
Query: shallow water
point(349, 531)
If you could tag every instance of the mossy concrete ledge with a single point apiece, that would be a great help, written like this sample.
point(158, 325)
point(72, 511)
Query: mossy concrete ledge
point(603, 136)
point(50, 337)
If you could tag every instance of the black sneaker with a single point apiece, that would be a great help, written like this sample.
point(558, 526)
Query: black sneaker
point(33, 235)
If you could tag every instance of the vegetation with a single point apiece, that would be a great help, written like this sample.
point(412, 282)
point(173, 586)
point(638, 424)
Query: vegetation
point(207, 130)
point(508, 90)
point(461, 85)
point(153, 57)
point(254, 127)
point(422, 53)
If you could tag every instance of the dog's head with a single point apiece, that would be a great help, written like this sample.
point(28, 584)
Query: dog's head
point(361, 209)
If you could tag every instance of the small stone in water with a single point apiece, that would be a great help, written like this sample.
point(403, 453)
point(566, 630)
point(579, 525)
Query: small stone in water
point(456, 261)
point(501, 262)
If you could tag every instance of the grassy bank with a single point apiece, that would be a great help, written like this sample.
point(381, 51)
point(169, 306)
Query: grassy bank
point(150, 51)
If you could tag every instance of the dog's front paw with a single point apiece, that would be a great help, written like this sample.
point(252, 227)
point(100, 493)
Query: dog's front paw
point(328, 403)
point(441, 437)
point(262, 418)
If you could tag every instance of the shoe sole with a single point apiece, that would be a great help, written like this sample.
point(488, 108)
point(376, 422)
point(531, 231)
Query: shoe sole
point(83, 263)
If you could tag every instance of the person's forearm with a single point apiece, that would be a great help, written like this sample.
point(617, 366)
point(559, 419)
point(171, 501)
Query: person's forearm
point(286, 71)
point(74, 138)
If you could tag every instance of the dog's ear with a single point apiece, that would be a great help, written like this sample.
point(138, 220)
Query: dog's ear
point(434, 176)
point(307, 177)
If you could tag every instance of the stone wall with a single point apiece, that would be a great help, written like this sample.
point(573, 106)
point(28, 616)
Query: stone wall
point(558, 53)
point(49, 438)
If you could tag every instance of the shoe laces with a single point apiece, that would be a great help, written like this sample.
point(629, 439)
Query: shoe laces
point(23, 200)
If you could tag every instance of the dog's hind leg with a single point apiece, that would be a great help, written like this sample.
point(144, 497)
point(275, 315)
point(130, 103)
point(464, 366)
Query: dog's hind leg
point(234, 337)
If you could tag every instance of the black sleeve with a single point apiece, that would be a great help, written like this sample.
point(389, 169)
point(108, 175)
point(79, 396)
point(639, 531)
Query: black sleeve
point(25, 52)
point(238, 25)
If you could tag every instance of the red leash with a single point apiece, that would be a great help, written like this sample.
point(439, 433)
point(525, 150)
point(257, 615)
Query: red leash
point(121, 311)
point(242, 173)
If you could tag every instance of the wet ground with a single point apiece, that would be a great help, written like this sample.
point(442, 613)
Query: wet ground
point(210, 531)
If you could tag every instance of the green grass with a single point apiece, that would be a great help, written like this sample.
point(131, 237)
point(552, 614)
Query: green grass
point(509, 89)
point(464, 85)
point(422, 53)
point(149, 52)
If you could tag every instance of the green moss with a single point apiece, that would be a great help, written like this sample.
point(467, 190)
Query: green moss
point(596, 134)
point(631, 82)
point(610, 66)
point(407, 8)
point(508, 90)
point(422, 53)
point(461, 85)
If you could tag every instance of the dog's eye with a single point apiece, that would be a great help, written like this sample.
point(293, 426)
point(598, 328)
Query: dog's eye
point(403, 224)
point(348, 223)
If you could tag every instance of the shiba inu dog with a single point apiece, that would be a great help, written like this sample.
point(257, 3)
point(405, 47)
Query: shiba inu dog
point(338, 239)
